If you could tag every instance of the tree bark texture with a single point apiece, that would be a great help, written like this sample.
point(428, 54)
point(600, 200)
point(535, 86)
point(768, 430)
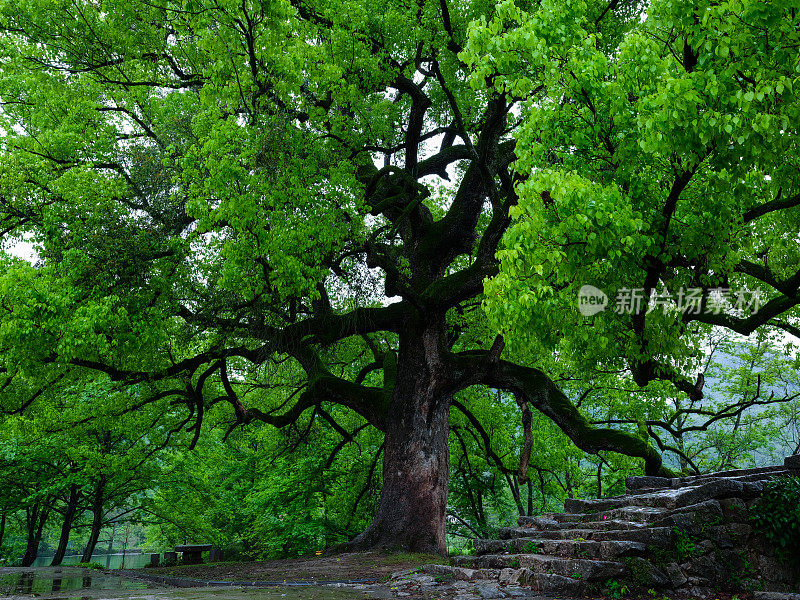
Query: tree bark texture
point(97, 519)
point(66, 527)
point(416, 459)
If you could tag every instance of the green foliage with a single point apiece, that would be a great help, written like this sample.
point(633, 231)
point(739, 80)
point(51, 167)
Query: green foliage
point(777, 516)
point(601, 154)
point(91, 565)
point(266, 493)
point(616, 589)
point(531, 548)
point(13, 547)
point(684, 544)
point(739, 568)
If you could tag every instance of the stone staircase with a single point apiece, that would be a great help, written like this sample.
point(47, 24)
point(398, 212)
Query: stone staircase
point(688, 533)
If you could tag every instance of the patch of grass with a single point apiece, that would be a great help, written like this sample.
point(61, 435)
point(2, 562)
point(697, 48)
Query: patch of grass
point(91, 565)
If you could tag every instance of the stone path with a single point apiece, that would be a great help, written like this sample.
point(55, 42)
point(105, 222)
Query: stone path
point(690, 534)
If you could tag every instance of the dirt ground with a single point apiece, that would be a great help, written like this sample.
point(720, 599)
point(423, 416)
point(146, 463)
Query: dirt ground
point(360, 565)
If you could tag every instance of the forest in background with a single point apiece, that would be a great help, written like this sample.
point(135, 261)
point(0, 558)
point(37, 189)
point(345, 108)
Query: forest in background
point(264, 493)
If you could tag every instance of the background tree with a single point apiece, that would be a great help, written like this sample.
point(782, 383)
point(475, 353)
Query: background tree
point(268, 493)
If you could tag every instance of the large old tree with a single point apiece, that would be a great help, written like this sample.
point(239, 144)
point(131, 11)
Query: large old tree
point(278, 205)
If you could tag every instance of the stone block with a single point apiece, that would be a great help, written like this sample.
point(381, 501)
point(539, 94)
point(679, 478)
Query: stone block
point(644, 482)
point(771, 569)
point(692, 518)
point(645, 574)
point(704, 547)
point(612, 549)
point(792, 462)
point(734, 509)
point(775, 596)
point(556, 585)
point(715, 489)
point(489, 591)
point(510, 576)
point(675, 574)
point(706, 567)
point(752, 489)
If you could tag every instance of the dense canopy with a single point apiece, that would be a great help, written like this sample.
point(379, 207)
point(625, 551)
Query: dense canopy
point(374, 213)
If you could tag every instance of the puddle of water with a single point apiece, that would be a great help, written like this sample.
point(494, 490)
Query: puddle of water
point(38, 583)
point(110, 561)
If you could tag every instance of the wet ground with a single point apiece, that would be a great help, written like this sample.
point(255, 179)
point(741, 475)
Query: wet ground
point(346, 566)
point(48, 583)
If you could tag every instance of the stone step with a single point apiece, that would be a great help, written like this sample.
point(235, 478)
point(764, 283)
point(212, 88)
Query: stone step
point(592, 549)
point(631, 517)
point(460, 573)
point(638, 514)
point(638, 484)
point(551, 584)
point(661, 537)
point(670, 498)
point(542, 583)
point(568, 554)
point(551, 524)
point(707, 512)
point(663, 499)
point(543, 522)
point(576, 568)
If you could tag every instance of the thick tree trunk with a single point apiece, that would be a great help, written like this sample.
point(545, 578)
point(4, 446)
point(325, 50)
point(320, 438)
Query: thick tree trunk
point(66, 527)
point(37, 516)
point(416, 457)
point(97, 520)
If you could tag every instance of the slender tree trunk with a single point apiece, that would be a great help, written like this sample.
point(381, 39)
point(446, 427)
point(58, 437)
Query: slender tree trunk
point(416, 457)
point(568, 479)
point(600, 479)
point(110, 548)
point(2, 528)
point(31, 518)
point(37, 517)
point(680, 443)
point(97, 519)
point(66, 527)
point(530, 497)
